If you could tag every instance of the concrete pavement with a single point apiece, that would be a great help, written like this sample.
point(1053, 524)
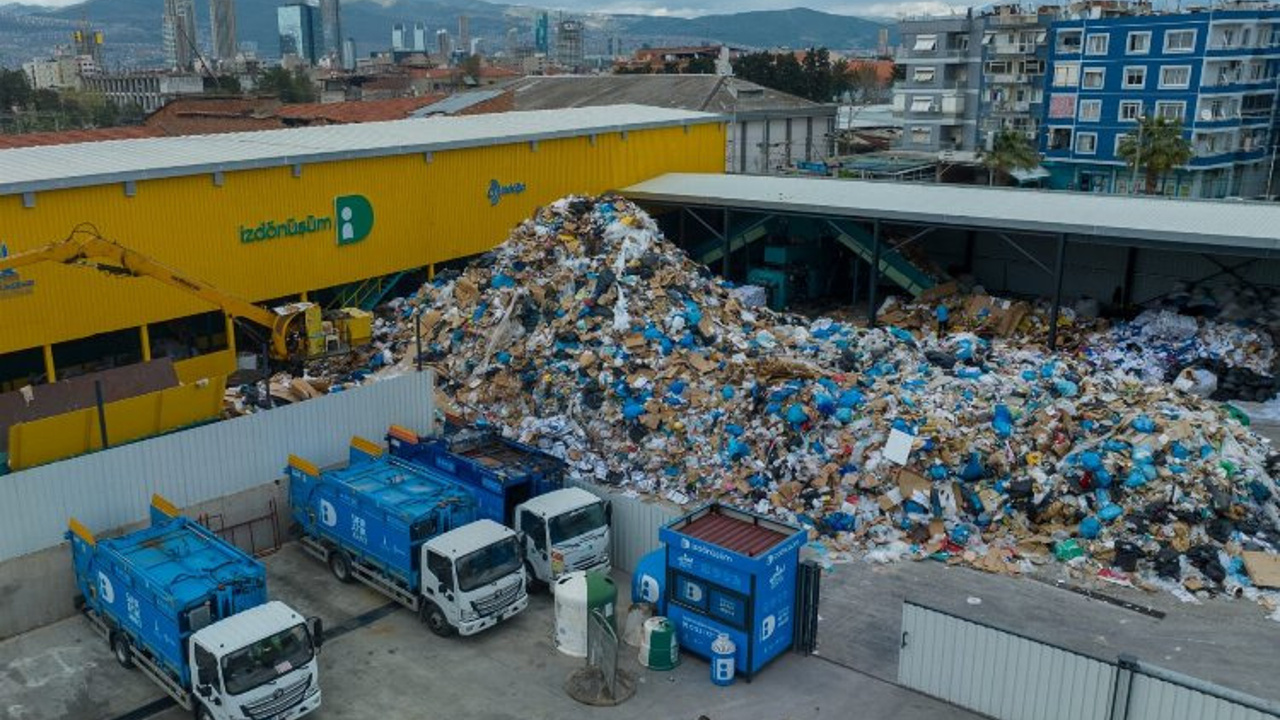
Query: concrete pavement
point(383, 663)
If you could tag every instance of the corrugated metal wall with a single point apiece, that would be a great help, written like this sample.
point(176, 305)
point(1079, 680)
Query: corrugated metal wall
point(997, 673)
point(1152, 698)
point(1011, 677)
point(635, 523)
point(112, 488)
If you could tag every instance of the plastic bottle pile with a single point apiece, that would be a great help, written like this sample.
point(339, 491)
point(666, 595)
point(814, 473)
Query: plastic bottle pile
point(589, 334)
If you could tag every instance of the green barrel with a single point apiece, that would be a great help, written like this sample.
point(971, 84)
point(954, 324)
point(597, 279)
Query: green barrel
point(658, 647)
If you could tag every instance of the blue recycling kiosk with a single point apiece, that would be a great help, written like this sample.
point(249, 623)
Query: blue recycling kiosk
point(730, 571)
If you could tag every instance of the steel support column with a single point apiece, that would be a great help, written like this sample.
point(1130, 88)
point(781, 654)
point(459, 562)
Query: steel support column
point(724, 262)
point(1058, 269)
point(873, 282)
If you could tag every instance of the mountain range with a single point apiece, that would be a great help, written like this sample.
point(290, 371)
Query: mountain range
point(133, 27)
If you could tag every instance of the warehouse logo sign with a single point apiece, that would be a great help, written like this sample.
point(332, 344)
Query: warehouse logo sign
point(497, 190)
point(351, 222)
point(11, 283)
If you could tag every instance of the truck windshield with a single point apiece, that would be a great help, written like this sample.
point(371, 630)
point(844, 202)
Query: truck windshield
point(576, 523)
point(267, 659)
point(487, 564)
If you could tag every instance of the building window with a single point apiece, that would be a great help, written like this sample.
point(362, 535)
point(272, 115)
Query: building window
point(1139, 43)
point(997, 67)
point(1180, 41)
point(926, 43)
point(988, 38)
point(1066, 75)
point(1135, 77)
point(1040, 36)
point(1090, 110)
point(920, 135)
point(923, 75)
point(1093, 78)
point(1059, 138)
point(1069, 41)
point(1175, 77)
point(921, 104)
point(1097, 44)
point(1119, 141)
point(1171, 109)
point(1218, 108)
point(1130, 110)
point(1033, 67)
point(1086, 143)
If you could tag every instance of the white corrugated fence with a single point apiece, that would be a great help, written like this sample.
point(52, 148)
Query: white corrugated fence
point(112, 488)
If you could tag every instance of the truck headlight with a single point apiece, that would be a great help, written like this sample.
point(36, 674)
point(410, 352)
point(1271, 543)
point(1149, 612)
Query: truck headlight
point(468, 615)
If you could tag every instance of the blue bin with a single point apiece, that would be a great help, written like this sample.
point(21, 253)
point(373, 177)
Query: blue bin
point(649, 580)
point(723, 660)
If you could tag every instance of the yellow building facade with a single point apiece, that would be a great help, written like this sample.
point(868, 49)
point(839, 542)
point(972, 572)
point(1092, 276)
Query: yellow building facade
point(283, 213)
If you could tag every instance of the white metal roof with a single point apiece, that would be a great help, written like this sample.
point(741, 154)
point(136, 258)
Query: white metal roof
point(249, 626)
point(469, 538)
point(62, 166)
point(1251, 228)
point(570, 498)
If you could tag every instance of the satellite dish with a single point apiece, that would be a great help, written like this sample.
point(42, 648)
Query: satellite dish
point(1206, 114)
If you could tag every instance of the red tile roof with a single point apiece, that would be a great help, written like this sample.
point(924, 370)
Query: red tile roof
point(69, 137)
point(358, 111)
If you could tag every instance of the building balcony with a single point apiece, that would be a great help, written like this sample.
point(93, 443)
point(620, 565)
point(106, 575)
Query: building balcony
point(1007, 79)
point(907, 56)
point(1013, 20)
point(1226, 85)
point(1019, 49)
point(1216, 50)
point(1010, 108)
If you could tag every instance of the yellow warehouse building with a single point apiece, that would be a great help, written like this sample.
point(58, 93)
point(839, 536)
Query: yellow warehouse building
point(279, 214)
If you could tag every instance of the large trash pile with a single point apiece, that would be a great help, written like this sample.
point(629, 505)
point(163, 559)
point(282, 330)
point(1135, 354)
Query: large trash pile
point(1217, 358)
point(591, 335)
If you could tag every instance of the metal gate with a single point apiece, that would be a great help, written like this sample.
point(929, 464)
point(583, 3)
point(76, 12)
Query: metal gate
point(808, 594)
point(1012, 677)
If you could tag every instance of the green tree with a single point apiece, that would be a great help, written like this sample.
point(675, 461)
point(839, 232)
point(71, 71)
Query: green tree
point(1011, 150)
point(701, 66)
point(15, 89)
point(222, 85)
point(1155, 147)
point(292, 87)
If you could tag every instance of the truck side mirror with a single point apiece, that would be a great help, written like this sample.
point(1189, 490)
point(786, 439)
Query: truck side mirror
point(316, 625)
point(608, 512)
point(205, 691)
point(441, 588)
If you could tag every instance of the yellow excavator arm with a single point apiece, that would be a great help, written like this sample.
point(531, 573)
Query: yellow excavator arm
point(86, 247)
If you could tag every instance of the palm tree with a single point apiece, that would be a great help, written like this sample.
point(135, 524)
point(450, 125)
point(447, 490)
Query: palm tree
point(1156, 146)
point(1011, 150)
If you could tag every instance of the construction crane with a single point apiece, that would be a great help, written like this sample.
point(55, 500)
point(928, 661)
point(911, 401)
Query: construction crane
point(297, 333)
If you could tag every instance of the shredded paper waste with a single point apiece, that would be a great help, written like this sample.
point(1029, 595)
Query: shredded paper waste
point(588, 334)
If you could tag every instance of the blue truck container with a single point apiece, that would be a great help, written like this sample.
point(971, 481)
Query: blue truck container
point(502, 472)
point(411, 534)
point(732, 572)
point(157, 591)
point(377, 510)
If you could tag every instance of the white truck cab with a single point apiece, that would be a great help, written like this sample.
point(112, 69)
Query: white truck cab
point(564, 531)
point(256, 664)
point(472, 579)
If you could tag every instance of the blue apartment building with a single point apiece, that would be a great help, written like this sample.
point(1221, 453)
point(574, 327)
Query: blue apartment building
point(1215, 70)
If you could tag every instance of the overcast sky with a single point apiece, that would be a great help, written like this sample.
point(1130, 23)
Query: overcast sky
point(690, 8)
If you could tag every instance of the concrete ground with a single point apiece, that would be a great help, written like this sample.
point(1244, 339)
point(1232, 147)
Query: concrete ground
point(380, 662)
point(1230, 642)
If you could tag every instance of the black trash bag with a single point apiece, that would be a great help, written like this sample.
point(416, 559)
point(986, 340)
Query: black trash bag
point(1168, 564)
point(1127, 555)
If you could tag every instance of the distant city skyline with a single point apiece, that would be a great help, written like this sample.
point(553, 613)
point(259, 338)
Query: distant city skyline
point(694, 8)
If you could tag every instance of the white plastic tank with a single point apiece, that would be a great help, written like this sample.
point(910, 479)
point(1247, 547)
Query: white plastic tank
point(577, 594)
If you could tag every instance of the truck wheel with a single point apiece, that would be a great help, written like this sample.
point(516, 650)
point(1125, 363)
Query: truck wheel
point(340, 564)
point(434, 617)
point(120, 648)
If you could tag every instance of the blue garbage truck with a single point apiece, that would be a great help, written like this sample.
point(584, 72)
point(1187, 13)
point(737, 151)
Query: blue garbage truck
point(191, 612)
point(411, 536)
point(560, 529)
